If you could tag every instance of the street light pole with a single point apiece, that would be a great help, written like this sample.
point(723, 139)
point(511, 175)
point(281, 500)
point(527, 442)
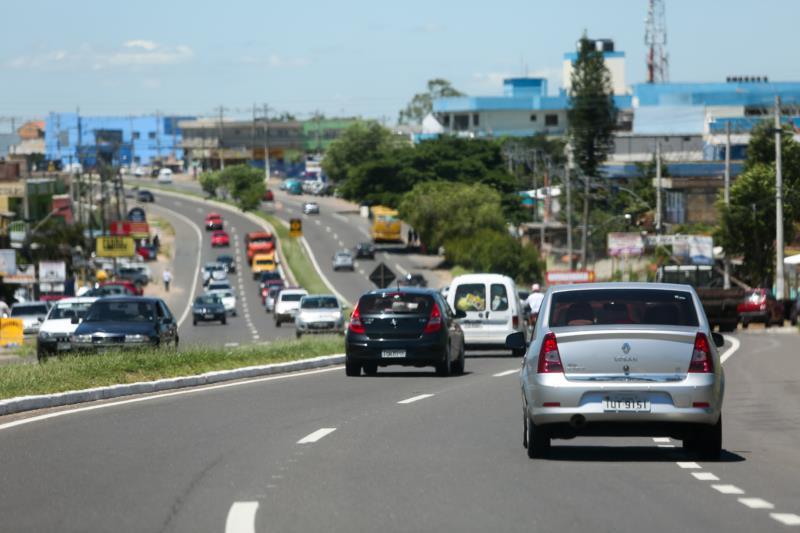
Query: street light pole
point(727, 263)
point(658, 187)
point(780, 288)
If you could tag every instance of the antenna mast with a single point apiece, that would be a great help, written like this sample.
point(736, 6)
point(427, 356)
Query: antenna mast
point(655, 37)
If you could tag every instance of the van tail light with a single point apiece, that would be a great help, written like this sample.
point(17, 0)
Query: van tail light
point(434, 321)
point(549, 358)
point(356, 326)
point(701, 355)
point(515, 321)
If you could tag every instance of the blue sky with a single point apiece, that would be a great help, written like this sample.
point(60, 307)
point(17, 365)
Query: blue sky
point(350, 57)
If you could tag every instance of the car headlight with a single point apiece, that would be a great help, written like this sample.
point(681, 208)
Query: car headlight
point(136, 338)
point(45, 335)
point(81, 338)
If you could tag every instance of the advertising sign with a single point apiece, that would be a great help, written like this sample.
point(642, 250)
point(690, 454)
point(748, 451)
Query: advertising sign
point(120, 227)
point(566, 277)
point(139, 230)
point(628, 244)
point(52, 271)
point(137, 214)
point(8, 262)
point(295, 227)
point(11, 332)
point(17, 231)
point(695, 249)
point(25, 275)
point(115, 247)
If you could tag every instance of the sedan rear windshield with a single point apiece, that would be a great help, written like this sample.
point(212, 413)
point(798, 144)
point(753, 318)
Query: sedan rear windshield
point(126, 311)
point(72, 310)
point(319, 303)
point(291, 297)
point(395, 303)
point(24, 310)
point(622, 306)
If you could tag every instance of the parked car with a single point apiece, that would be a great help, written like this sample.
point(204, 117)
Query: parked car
point(228, 299)
point(145, 196)
point(343, 260)
point(287, 302)
point(365, 250)
point(32, 315)
point(131, 287)
point(214, 271)
point(311, 208)
point(228, 262)
point(414, 280)
point(140, 172)
point(409, 327)
point(263, 263)
point(213, 222)
point(141, 268)
point(319, 313)
point(126, 322)
point(60, 323)
point(269, 298)
point(134, 275)
point(220, 238)
point(208, 308)
point(760, 305)
point(148, 252)
point(268, 196)
point(614, 359)
point(164, 176)
point(111, 290)
point(492, 307)
point(795, 311)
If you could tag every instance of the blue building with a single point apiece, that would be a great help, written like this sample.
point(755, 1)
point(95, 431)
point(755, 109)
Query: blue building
point(125, 141)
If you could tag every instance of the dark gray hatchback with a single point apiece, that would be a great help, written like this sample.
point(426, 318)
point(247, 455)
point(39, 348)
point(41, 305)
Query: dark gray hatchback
point(407, 327)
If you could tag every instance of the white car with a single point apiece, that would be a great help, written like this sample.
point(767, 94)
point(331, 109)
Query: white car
point(214, 272)
point(287, 303)
point(32, 315)
point(139, 172)
point(164, 176)
point(319, 313)
point(228, 299)
point(311, 208)
point(222, 284)
point(61, 322)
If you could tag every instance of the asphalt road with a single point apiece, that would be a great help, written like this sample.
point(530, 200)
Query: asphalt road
point(403, 451)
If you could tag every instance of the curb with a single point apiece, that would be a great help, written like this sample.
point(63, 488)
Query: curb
point(44, 401)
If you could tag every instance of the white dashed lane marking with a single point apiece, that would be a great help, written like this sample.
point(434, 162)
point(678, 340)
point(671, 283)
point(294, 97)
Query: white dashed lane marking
point(415, 398)
point(787, 519)
point(756, 503)
point(705, 476)
point(727, 489)
point(242, 518)
point(506, 373)
point(317, 435)
point(688, 464)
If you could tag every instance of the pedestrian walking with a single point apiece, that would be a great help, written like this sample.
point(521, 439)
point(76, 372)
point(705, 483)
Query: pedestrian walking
point(167, 277)
point(410, 240)
point(157, 242)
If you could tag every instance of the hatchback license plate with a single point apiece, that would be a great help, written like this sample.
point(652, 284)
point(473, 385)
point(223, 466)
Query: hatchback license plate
point(626, 404)
point(63, 346)
point(393, 354)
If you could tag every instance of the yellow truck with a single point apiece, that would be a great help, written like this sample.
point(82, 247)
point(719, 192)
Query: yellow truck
point(386, 225)
point(263, 263)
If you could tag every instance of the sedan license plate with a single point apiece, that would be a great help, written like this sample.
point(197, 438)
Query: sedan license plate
point(63, 346)
point(626, 404)
point(208, 316)
point(393, 354)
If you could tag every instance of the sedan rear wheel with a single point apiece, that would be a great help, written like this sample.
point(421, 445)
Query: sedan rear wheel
point(538, 441)
point(458, 365)
point(371, 369)
point(443, 368)
point(709, 441)
point(352, 369)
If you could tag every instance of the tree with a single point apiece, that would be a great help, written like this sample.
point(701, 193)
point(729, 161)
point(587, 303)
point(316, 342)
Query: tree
point(244, 183)
point(422, 103)
point(592, 117)
point(358, 144)
point(210, 182)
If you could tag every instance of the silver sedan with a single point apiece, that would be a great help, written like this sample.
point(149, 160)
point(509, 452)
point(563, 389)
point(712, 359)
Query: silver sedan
point(620, 359)
point(343, 260)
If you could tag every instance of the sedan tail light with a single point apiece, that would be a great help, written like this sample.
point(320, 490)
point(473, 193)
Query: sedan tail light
point(435, 321)
point(356, 326)
point(701, 355)
point(549, 358)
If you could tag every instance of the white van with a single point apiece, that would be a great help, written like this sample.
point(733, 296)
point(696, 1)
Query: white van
point(164, 176)
point(493, 310)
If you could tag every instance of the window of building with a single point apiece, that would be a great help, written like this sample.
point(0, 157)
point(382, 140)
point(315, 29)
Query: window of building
point(151, 135)
point(533, 118)
point(476, 119)
point(136, 135)
point(551, 120)
point(446, 121)
point(461, 122)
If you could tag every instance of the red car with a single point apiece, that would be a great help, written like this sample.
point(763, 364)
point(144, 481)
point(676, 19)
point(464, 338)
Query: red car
point(130, 287)
point(267, 285)
point(220, 238)
point(213, 222)
point(268, 196)
point(759, 305)
point(147, 252)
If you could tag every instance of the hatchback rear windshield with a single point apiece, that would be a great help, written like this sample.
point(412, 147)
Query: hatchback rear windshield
point(622, 306)
point(314, 302)
point(61, 311)
point(24, 310)
point(394, 303)
point(291, 297)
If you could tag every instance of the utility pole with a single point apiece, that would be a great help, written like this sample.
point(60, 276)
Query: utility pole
point(158, 135)
point(658, 187)
point(266, 143)
point(569, 206)
point(585, 222)
point(727, 263)
point(221, 111)
point(780, 288)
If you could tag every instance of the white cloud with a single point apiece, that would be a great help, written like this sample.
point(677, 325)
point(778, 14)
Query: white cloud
point(275, 61)
point(140, 43)
point(132, 53)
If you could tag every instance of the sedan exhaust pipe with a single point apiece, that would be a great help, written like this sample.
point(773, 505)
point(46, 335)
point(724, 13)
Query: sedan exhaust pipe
point(578, 421)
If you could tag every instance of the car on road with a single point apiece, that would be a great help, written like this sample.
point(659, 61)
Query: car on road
point(131, 287)
point(228, 262)
point(145, 196)
point(228, 299)
point(213, 222)
point(319, 313)
point(60, 323)
point(611, 359)
point(209, 308)
point(760, 305)
point(365, 250)
point(492, 307)
point(311, 208)
point(408, 327)
point(219, 238)
point(263, 263)
point(126, 322)
point(287, 302)
point(32, 315)
point(214, 271)
point(140, 172)
point(164, 176)
point(220, 284)
point(269, 297)
point(414, 280)
point(343, 260)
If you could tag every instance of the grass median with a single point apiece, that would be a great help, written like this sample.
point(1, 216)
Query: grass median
point(75, 372)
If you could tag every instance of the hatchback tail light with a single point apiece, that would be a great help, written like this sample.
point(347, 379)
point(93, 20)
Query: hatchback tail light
point(701, 355)
point(356, 326)
point(549, 358)
point(434, 321)
point(515, 321)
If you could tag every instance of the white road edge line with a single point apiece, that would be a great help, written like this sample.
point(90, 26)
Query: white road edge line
point(325, 280)
point(661, 439)
point(688, 464)
point(241, 518)
point(193, 390)
point(665, 445)
point(727, 489)
point(317, 435)
point(705, 476)
point(506, 373)
point(415, 398)
point(787, 519)
point(730, 351)
point(756, 503)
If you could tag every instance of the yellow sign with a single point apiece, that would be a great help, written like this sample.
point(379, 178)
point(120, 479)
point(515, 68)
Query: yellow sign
point(11, 332)
point(115, 247)
point(295, 227)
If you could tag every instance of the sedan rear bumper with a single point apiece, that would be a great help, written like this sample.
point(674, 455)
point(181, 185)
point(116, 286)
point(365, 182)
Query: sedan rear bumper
point(386, 352)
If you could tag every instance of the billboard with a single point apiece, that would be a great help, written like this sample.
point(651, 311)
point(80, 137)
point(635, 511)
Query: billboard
point(52, 271)
point(115, 247)
point(625, 244)
point(566, 277)
point(694, 249)
point(8, 262)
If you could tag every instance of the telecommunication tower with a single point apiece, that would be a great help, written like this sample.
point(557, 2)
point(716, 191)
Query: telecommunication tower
point(655, 37)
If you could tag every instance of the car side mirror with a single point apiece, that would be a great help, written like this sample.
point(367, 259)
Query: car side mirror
point(40, 319)
point(166, 320)
point(719, 340)
point(75, 320)
point(516, 341)
point(460, 313)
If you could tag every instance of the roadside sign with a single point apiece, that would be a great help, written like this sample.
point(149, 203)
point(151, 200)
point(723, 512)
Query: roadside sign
point(565, 277)
point(115, 246)
point(11, 332)
point(120, 227)
point(52, 271)
point(625, 244)
point(8, 262)
point(295, 227)
point(382, 277)
point(139, 230)
point(137, 214)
